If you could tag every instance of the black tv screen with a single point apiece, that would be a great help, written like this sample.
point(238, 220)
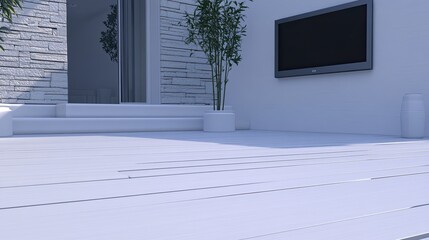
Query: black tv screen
point(335, 39)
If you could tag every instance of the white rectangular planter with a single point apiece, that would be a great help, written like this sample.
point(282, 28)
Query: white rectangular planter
point(219, 121)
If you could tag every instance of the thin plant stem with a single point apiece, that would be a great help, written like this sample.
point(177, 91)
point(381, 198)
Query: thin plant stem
point(224, 86)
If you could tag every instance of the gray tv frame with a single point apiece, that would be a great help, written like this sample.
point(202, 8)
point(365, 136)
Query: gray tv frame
point(359, 66)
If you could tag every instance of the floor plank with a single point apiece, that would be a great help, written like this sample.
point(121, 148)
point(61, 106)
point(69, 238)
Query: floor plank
point(194, 185)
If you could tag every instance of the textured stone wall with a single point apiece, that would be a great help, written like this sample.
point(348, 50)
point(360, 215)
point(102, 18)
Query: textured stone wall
point(185, 79)
point(33, 69)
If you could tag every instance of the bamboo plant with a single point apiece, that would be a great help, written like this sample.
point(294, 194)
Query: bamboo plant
point(7, 10)
point(217, 27)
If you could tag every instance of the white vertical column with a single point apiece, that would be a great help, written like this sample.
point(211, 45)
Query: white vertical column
point(153, 53)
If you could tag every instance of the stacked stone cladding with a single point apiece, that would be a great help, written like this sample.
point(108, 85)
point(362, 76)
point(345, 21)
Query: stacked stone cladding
point(33, 67)
point(185, 78)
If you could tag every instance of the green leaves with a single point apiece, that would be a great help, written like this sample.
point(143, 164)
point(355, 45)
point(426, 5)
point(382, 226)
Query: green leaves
point(216, 26)
point(7, 10)
point(109, 38)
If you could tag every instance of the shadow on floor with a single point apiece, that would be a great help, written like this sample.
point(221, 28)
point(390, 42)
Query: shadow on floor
point(250, 138)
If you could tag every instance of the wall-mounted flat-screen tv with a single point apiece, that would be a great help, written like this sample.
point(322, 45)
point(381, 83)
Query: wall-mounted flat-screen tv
point(335, 39)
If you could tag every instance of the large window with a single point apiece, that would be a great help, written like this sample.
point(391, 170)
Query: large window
point(107, 51)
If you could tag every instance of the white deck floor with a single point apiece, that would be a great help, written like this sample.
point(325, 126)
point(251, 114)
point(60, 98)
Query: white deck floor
point(200, 186)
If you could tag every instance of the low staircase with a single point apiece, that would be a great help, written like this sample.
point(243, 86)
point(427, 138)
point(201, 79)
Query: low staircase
point(95, 118)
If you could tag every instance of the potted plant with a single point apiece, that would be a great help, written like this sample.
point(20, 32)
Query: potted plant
point(217, 27)
point(7, 10)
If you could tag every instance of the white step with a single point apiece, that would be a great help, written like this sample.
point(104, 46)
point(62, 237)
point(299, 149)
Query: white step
point(27, 110)
point(129, 110)
point(99, 125)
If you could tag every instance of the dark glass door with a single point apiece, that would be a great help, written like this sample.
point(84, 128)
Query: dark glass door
point(107, 51)
point(93, 51)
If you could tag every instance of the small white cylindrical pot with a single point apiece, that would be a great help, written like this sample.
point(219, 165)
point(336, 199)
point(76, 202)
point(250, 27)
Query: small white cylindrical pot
point(219, 121)
point(413, 116)
point(6, 128)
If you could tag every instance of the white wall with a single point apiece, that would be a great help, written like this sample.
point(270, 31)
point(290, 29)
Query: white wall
point(366, 102)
